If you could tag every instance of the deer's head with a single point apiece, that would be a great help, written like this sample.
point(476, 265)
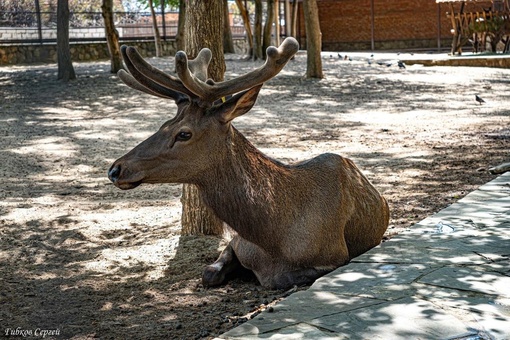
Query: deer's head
point(192, 142)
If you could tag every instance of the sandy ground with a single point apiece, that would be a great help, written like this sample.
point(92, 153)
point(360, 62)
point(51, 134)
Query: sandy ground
point(84, 259)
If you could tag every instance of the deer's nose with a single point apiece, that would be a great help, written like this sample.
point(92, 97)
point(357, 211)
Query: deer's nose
point(113, 173)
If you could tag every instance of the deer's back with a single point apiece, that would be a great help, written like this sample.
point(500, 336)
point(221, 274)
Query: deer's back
point(336, 202)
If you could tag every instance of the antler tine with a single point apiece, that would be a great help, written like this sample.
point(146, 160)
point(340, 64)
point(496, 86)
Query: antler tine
point(208, 90)
point(150, 76)
point(200, 64)
point(130, 81)
point(142, 83)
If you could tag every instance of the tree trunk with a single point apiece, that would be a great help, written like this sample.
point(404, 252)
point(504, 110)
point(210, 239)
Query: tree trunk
point(257, 51)
point(293, 29)
point(179, 38)
point(203, 28)
point(313, 40)
point(288, 18)
point(247, 26)
point(268, 27)
point(155, 29)
point(276, 20)
point(228, 43)
point(65, 64)
point(112, 36)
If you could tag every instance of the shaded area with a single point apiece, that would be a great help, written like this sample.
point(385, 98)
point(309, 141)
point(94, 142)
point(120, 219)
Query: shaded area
point(82, 256)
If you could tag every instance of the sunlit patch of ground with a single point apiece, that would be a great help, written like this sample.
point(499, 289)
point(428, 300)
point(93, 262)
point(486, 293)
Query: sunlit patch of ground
point(79, 254)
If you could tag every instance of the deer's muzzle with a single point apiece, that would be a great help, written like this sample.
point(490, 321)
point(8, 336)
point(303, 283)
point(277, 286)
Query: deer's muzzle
point(115, 175)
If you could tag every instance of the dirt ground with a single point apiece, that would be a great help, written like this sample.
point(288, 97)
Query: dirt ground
point(83, 259)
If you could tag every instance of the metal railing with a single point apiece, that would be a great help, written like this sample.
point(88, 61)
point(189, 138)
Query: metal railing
point(40, 27)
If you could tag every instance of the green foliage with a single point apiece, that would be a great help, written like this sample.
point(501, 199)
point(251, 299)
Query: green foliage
point(20, 6)
point(17, 6)
point(492, 25)
point(157, 3)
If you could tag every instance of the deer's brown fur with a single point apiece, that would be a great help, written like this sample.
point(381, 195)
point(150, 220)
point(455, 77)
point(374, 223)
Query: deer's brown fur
point(292, 223)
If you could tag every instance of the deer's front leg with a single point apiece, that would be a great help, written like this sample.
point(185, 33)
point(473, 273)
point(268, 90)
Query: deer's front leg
point(226, 263)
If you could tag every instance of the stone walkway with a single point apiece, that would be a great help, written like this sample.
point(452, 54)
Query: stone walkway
point(447, 277)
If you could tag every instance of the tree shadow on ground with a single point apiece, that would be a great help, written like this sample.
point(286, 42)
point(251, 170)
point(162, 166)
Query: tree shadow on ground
point(84, 257)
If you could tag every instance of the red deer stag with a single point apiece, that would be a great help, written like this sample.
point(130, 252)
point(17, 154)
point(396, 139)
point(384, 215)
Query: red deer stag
point(293, 223)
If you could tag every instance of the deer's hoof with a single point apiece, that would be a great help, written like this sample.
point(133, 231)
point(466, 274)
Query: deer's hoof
point(212, 276)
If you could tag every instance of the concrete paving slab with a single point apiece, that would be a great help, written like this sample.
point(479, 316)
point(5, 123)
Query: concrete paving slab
point(469, 278)
point(447, 277)
point(417, 253)
point(393, 280)
point(406, 318)
point(296, 331)
point(484, 313)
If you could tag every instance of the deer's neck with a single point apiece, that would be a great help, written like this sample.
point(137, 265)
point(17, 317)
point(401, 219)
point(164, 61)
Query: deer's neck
point(245, 190)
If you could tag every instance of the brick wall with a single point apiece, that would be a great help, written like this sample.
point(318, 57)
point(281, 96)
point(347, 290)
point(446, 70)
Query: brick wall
point(398, 24)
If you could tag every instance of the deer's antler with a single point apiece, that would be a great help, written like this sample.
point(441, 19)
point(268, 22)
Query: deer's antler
point(210, 91)
point(149, 77)
point(193, 80)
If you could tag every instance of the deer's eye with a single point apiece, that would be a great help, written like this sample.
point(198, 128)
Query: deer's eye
point(183, 136)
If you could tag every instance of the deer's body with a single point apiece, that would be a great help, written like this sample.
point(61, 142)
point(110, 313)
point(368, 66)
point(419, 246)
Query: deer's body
point(293, 223)
point(303, 217)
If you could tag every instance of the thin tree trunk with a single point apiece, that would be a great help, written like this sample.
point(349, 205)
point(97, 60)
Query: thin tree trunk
point(277, 23)
point(203, 28)
point(155, 29)
point(112, 36)
point(294, 18)
point(228, 43)
point(247, 26)
point(65, 64)
point(313, 40)
point(268, 27)
point(179, 39)
point(257, 51)
point(288, 19)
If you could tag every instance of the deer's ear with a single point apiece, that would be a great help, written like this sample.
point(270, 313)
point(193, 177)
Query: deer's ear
point(238, 104)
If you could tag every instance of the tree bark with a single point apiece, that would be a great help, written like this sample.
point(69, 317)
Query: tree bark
point(155, 29)
point(228, 42)
point(276, 20)
point(257, 51)
point(112, 36)
point(293, 29)
point(247, 26)
point(268, 27)
point(288, 18)
point(313, 40)
point(65, 64)
point(179, 38)
point(203, 28)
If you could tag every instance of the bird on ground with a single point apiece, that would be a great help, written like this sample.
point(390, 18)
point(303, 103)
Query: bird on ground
point(479, 99)
point(339, 56)
point(401, 64)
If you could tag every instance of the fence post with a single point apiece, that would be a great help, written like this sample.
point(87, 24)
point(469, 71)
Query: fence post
point(39, 24)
